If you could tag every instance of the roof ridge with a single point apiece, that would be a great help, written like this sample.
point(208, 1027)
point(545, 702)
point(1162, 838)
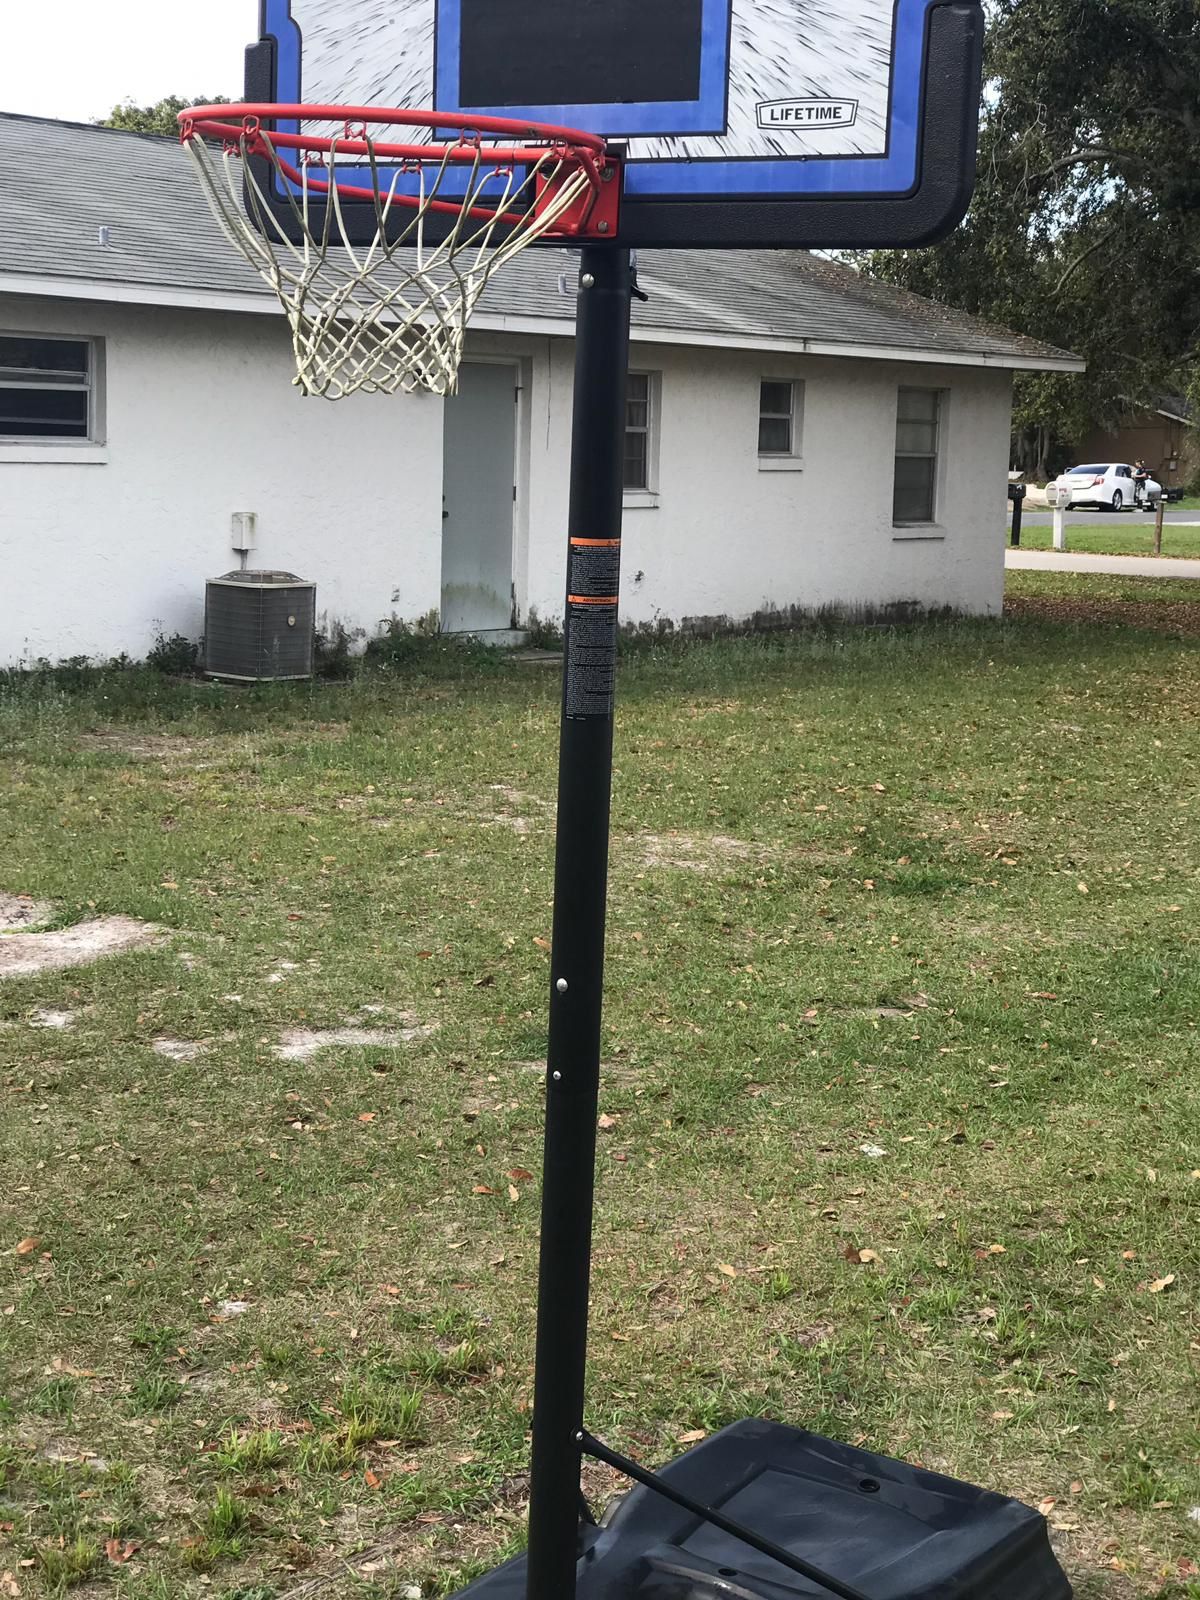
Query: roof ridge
point(88, 127)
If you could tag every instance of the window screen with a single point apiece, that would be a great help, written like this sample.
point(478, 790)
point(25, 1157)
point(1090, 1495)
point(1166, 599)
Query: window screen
point(45, 387)
point(918, 419)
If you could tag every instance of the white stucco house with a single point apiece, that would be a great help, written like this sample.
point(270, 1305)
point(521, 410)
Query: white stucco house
point(798, 437)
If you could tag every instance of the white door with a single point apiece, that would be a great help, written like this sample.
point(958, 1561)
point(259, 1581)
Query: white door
point(477, 511)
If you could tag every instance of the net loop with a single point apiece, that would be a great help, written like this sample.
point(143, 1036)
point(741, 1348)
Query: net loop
point(387, 314)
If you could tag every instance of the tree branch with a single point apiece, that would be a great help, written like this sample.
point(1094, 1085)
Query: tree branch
point(1096, 244)
point(1082, 158)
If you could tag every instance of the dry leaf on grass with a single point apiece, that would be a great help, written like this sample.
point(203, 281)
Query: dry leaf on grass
point(862, 1258)
point(605, 1121)
point(1160, 1284)
point(27, 1246)
point(119, 1551)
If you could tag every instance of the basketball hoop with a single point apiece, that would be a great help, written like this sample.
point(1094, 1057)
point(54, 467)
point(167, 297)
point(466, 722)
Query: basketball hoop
point(389, 315)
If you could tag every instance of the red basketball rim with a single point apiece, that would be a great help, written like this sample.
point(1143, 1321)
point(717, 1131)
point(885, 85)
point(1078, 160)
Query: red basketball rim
point(235, 122)
point(479, 140)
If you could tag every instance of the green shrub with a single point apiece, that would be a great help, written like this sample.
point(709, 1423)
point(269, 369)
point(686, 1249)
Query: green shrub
point(173, 654)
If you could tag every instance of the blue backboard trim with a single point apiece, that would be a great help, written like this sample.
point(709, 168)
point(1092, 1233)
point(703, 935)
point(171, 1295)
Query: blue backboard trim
point(705, 114)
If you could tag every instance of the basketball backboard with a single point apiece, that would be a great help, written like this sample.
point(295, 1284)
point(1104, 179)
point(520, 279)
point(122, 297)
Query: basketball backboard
point(746, 122)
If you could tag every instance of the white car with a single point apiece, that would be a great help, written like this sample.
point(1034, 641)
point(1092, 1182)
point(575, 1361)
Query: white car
point(1110, 484)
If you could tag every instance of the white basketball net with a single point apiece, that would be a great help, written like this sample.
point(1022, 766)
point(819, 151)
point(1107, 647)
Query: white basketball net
point(389, 316)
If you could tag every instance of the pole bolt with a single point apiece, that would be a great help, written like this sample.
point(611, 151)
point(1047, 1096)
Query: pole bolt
point(557, 1076)
point(562, 986)
point(588, 281)
point(602, 227)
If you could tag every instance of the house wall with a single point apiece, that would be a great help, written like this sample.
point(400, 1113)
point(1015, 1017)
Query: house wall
point(1155, 439)
point(201, 421)
point(101, 555)
point(727, 537)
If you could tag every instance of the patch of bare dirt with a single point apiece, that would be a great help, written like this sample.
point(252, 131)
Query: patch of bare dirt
point(144, 746)
point(301, 1044)
point(178, 1049)
point(521, 812)
point(20, 911)
point(52, 1019)
point(26, 954)
point(687, 852)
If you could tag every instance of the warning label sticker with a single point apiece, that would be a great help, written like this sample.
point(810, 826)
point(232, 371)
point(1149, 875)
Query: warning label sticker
point(591, 644)
point(591, 660)
point(595, 569)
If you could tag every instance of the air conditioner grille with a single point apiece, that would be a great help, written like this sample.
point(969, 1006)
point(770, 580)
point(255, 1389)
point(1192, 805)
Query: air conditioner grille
point(259, 625)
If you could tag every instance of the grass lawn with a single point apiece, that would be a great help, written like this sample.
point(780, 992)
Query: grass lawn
point(900, 1110)
point(1119, 536)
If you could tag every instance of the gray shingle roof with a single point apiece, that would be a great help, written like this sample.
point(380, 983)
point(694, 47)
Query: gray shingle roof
point(64, 181)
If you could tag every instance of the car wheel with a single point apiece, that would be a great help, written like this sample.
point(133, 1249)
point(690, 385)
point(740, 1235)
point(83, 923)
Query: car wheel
point(1118, 500)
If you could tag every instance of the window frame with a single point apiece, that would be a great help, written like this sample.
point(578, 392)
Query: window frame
point(58, 447)
point(645, 494)
point(935, 456)
point(791, 460)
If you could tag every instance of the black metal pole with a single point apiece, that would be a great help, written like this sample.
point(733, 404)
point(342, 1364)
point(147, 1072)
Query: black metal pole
point(580, 886)
point(1018, 508)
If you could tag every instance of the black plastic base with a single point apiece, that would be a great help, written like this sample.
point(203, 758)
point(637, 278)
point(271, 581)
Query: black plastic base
point(891, 1530)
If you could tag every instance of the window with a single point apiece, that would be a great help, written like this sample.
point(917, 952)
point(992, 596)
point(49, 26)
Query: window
point(777, 418)
point(46, 388)
point(639, 432)
point(917, 424)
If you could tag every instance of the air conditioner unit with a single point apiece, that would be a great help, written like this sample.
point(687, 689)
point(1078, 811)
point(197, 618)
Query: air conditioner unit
point(259, 625)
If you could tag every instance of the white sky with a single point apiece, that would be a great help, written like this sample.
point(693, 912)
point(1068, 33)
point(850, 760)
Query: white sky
point(76, 59)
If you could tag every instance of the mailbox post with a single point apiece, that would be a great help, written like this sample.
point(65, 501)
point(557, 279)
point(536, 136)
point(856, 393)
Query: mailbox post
point(1058, 500)
point(1016, 493)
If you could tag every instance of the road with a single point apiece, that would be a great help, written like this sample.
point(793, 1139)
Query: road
point(1119, 566)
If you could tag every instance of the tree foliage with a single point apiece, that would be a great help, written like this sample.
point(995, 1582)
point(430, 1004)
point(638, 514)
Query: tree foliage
point(161, 116)
point(1085, 229)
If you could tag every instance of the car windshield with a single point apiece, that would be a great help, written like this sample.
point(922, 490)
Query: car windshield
point(1093, 472)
